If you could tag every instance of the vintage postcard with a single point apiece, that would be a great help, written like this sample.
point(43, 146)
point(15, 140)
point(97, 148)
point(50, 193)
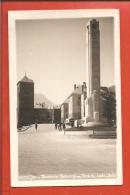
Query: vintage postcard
point(65, 97)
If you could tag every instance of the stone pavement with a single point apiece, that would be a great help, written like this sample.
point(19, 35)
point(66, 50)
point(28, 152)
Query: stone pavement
point(48, 153)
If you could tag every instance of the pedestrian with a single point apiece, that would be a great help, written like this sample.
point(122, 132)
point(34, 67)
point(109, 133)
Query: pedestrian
point(59, 126)
point(36, 125)
point(64, 126)
point(55, 125)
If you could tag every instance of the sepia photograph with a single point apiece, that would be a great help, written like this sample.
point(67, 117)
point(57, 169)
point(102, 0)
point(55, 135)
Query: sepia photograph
point(65, 98)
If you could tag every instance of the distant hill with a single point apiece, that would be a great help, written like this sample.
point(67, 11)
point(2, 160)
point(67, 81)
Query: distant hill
point(41, 101)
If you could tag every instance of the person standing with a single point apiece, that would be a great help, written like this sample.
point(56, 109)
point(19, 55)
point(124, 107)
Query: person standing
point(55, 125)
point(36, 126)
point(64, 126)
point(59, 126)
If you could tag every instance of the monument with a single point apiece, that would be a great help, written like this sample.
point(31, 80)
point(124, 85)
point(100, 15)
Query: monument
point(93, 112)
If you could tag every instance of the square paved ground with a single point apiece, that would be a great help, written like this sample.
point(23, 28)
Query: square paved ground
point(48, 153)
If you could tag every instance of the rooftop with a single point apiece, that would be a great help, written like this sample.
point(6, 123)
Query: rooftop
point(77, 90)
point(25, 79)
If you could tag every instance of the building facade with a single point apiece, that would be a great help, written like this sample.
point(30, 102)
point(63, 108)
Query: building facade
point(25, 102)
point(64, 111)
point(73, 108)
point(83, 98)
point(42, 115)
point(56, 115)
point(46, 115)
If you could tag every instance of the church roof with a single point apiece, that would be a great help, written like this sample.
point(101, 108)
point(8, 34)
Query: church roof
point(25, 79)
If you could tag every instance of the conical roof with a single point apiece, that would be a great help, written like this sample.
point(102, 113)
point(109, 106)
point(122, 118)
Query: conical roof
point(25, 79)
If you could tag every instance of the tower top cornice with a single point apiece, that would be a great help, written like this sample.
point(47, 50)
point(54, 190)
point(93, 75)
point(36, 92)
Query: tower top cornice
point(25, 79)
point(93, 24)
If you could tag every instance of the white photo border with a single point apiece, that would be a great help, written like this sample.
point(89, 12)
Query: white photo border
point(60, 14)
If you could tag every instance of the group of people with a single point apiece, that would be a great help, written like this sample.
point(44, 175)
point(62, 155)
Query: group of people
point(60, 126)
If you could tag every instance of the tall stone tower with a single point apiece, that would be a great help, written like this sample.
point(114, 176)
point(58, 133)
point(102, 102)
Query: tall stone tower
point(93, 71)
point(25, 102)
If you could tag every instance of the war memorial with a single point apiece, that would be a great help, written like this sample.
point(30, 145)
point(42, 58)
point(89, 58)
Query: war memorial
point(89, 108)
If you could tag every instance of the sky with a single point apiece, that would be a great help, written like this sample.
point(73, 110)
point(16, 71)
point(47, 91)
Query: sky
point(53, 54)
